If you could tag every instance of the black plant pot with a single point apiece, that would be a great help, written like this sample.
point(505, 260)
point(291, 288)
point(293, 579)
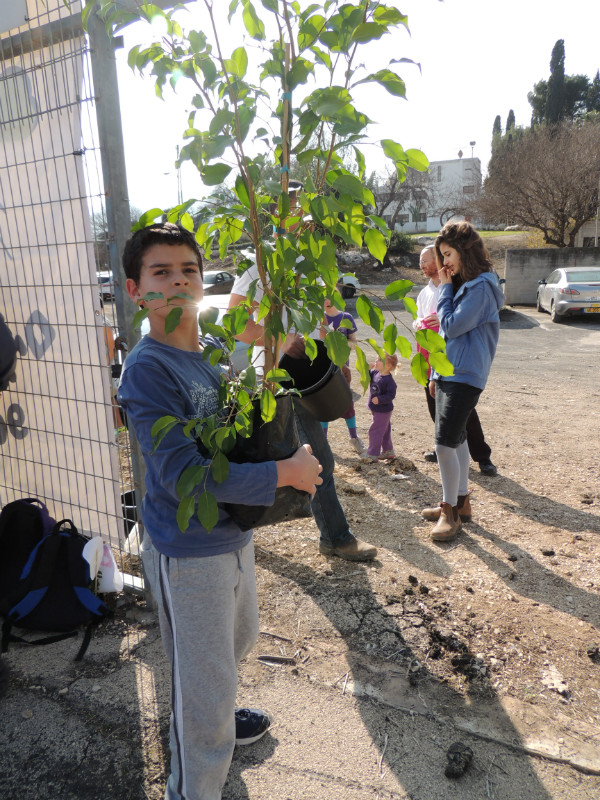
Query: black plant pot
point(270, 441)
point(324, 391)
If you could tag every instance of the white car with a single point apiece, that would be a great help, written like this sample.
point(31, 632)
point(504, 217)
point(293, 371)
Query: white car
point(569, 291)
point(106, 283)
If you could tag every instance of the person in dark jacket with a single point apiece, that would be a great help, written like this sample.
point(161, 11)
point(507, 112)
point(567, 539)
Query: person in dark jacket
point(8, 356)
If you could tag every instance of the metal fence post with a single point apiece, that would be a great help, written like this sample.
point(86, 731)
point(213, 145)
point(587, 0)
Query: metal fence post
point(110, 134)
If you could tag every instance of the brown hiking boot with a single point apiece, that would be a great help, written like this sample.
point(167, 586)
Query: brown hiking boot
point(463, 505)
point(448, 525)
point(354, 550)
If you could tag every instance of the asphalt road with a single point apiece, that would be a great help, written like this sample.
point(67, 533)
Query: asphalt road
point(530, 344)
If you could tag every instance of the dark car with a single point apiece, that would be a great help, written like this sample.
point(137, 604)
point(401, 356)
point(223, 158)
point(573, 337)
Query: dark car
point(217, 282)
point(569, 291)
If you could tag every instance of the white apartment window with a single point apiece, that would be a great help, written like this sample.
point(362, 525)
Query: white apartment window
point(439, 174)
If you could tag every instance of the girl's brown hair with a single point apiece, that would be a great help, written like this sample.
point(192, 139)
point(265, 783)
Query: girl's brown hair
point(474, 256)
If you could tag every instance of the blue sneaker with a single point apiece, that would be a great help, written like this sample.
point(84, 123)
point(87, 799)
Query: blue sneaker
point(251, 724)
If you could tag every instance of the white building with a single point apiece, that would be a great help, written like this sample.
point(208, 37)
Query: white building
point(589, 234)
point(425, 201)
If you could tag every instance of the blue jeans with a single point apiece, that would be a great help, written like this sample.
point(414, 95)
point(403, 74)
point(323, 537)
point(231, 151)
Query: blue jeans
point(327, 511)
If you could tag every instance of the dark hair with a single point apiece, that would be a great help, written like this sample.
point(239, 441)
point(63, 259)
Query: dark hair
point(158, 233)
point(474, 256)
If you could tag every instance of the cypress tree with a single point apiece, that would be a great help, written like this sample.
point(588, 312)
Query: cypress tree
point(497, 129)
point(510, 120)
point(556, 83)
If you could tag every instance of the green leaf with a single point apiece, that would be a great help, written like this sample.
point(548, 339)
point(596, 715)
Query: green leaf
point(172, 319)
point(187, 222)
point(253, 24)
point(278, 375)
point(219, 467)
point(215, 174)
point(389, 80)
point(299, 73)
point(139, 317)
point(376, 243)
point(328, 102)
point(346, 183)
point(241, 190)
point(387, 15)
point(393, 150)
point(322, 56)
point(440, 363)
point(370, 314)
point(367, 32)
point(419, 368)
point(185, 511)
point(403, 346)
point(208, 511)
point(161, 427)
point(189, 479)
point(362, 366)
point(417, 160)
point(360, 161)
point(147, 218)
point(222, 119)
point(430, 341)
point(398, 289)
point(267, 405)
point(310, 348)
point(411, 306)
point(389, 338)
point(239, 58)
point(338, 348)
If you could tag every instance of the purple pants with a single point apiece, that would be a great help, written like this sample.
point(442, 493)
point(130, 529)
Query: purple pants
point(380, 433)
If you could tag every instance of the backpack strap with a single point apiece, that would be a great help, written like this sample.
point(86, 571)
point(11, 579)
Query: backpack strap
point(8, 637)
point(39, 573)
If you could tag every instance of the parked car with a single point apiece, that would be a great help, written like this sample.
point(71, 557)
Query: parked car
point(107, 284)
point(217, 282)
point(569, 291)
point(349, 284)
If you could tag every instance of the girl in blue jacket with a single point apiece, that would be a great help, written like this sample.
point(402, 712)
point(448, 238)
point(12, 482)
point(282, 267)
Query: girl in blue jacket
point(468, 306)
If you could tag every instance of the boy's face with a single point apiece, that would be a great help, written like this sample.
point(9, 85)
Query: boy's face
point(171, 270)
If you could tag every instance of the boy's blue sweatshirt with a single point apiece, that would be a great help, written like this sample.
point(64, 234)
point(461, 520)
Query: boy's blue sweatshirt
point(160, 380)
point(470, 324)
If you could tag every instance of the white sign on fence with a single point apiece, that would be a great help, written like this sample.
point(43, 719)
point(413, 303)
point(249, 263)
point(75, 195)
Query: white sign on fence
point(56, 427)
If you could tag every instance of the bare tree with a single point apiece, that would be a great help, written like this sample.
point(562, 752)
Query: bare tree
point(547, 179)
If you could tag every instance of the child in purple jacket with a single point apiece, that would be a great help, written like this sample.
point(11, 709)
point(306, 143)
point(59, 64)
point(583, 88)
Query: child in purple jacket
point(382, 391)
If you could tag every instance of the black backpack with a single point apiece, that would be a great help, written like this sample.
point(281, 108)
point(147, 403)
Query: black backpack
point(44, 578)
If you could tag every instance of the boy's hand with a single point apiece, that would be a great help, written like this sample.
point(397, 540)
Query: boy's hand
point(302, 471)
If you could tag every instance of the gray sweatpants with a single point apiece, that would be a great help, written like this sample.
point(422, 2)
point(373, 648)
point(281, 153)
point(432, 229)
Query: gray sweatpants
point(208, 618)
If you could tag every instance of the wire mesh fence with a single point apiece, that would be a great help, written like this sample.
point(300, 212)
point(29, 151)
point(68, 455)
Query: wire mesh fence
point(63, 438)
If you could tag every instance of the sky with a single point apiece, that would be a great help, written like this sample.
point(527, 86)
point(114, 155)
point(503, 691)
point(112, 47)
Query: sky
point(478, 58)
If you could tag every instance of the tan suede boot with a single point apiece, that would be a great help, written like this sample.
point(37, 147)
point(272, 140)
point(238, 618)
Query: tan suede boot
point(448, 525)
point(463, 505)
